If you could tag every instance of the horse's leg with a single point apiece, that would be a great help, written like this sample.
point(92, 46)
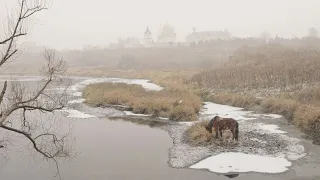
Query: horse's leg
point(233, 133)
point(220, 132)
point(217, 131)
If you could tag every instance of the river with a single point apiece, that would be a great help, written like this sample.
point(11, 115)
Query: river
point(120, 150)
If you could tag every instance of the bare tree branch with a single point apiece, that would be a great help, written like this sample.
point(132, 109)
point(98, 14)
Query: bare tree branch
point(17, 98)
point(14, 36)
point(24, 13)
point(27, 136)
point(3, 91)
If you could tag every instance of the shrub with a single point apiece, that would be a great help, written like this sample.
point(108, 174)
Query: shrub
point(285, 107)
point(182, 113)
point(156, 103)
point(197, 135)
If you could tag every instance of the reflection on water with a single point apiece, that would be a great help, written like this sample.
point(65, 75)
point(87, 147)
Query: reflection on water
point(231, 175)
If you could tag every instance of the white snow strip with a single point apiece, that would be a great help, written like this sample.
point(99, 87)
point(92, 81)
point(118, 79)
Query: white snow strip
point(143, 82)
point(76, 101)
point(274, 116)
point(271, 128)
point(240, 162)
point(163, 118)
point(188, 123)
point(129, 113)
point(77, 114)
point(211, 109)
point(79, 94)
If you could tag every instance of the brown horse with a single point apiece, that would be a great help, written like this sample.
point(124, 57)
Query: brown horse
point(219, 124)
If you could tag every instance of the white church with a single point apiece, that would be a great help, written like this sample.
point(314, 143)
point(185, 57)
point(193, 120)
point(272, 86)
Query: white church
point(166, 37)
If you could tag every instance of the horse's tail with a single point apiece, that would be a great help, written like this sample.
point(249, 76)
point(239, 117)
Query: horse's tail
point(237, 131)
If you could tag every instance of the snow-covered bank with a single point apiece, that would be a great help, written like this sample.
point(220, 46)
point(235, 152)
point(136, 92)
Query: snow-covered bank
point(72, 113)
point(259, 142)
point(240, 162)
point(77, 88)
point(76, 91)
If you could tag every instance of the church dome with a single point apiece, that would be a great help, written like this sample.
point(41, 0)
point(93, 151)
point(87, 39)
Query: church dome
point(166, 30)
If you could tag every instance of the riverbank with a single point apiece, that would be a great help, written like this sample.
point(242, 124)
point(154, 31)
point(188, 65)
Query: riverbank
point(299, 106)
point(256, 129)
point(258, 140)
point(295, 107)
point(269, 79)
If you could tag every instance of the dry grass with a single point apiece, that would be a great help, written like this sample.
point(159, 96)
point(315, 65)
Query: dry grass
point(197, 135)
point(285, 107)
point(264, 67)
point(158, 103)
point(245, 101)
point(305, 116)
point(173, 79)
point(285, 78)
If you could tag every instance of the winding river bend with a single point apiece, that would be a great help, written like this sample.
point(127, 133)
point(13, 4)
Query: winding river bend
point(119, 150)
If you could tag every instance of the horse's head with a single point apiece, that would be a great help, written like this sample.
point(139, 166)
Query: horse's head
point(216, 118)
point(209, 129)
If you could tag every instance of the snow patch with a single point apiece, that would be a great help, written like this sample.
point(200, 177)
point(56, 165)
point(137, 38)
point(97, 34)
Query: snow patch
point(275, 116)
point(240, 162)
point(163, 118)
point(276, 162)
point(129, 113)
point(76, 101)
point(77, 114)
point(210, 110)
point(143, 82)
point(271, 128)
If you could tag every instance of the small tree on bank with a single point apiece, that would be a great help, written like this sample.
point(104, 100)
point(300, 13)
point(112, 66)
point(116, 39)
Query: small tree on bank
point(16, 98)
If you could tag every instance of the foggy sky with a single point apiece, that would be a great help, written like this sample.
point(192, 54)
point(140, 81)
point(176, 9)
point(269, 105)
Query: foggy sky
point(74, 23)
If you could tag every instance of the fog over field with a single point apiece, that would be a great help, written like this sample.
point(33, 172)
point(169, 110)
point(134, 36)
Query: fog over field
point(160, 89)
point(74, 23)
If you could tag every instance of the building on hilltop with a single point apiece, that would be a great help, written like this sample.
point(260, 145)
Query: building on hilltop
point(205, 36)
point(166, 35)
point(148, 37)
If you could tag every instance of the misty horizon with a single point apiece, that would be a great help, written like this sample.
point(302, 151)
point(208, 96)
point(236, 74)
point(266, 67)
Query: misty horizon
point(73, 24)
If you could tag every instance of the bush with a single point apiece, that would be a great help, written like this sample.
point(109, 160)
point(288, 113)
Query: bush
point(285, 107)
point(197, 135)
point(238, 100)
point(182, 113)
point(157, 103)
point(307, 117)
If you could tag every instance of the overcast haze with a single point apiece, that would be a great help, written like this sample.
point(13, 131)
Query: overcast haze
point(74, 23)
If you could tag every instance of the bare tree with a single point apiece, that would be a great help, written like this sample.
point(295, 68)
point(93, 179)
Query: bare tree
point(15, 97)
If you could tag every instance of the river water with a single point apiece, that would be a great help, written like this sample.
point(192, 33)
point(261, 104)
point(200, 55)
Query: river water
point(120, 150)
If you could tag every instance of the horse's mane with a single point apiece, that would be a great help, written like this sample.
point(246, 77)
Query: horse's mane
point(210, 124)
